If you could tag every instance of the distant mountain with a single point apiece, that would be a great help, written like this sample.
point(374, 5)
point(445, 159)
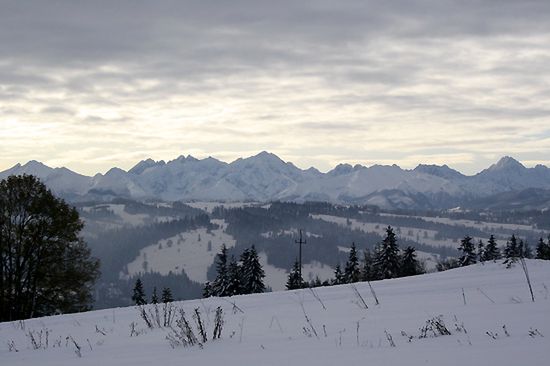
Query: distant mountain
point(265, 177)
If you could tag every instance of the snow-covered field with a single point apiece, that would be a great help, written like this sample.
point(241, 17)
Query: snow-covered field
point(481, 225)
point(195, 251)
point(493, 323)
point(422, 235)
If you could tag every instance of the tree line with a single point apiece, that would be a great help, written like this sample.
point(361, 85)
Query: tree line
point(512, 252)
point(139, 298)
point(386, 260)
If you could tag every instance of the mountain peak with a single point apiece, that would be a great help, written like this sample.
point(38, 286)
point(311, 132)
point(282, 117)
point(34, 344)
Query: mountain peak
point(442, 171)
point(341, 169)
point(506, 163)
point(144, 165)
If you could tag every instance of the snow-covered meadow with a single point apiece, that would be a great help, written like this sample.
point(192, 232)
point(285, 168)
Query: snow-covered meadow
point(487, 310)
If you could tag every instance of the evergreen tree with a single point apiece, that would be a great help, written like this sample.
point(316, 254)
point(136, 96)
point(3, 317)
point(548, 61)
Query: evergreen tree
point(468, 252)
point(338, 276)
point(352, 272)
point(252, 273)
point(543, 249)
point(369, 272)
point(154, 297)
point(138, 296)
point(207, 290)
point(480, 251)
point(167, 295)
point(295, 281)
point(409, 264)
point(234, 273)
point(512, 251)
point(387, 256)
point(221, 283)
point(491, 252)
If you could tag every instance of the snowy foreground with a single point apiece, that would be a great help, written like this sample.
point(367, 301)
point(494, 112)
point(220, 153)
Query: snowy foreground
point(272, 329)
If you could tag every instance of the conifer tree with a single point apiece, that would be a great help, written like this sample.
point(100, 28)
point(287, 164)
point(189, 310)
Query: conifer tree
point(234, 274)
point(154, 297)
point(387, 256)
point(468, 252)
point(512, 251)
point(352, 272)
point(409, 264)
point(338, 276)
point(207, 290)
point(480, 251)
point(138, 296)
point(167, 295)
point(368, 272)
point(491, 252)
point(295, 281)
point(543, 249)
point(221, 283)
point(252, 273)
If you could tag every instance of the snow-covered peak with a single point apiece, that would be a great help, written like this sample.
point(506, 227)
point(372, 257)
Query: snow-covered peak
point(36, 168)
point(142, 166)
point(442, 171)
point(506, 163)
point(341, 169)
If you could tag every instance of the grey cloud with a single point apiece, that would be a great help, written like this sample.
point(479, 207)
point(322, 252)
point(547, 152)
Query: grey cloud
point(284, 63)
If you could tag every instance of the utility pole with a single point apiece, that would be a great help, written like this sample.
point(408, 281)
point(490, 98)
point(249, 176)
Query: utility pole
point(300, 242)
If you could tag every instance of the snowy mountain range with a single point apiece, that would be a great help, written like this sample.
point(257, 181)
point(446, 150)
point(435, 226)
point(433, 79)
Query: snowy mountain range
point(265, 177)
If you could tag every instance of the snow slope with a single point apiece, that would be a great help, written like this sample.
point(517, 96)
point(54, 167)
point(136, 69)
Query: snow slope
point(296, 328)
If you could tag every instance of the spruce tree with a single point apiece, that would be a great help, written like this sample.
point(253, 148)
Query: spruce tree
point(480, 251)
point(154, 297)
point(468, 252)
point(167, 295)
point(338, 276)
point(387, 256)
point(221, 283)
point(295, 281)
point(409, 264)
point(234, 274)
point(207, 290)
point(252, 273)
point(352, 272)
point(491, 252)
point(543, 249)
point(138, 296)
point(369, 272)
point(512, 251)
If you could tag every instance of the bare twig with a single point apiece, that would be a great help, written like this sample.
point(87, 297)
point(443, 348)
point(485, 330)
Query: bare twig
point(309, 321)
point(373, 293)
point(316, 296)
point(359, 296)
point(235, 307)
point(484, 294)
point(524, 267)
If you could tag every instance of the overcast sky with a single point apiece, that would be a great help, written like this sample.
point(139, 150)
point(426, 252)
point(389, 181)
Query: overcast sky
point(96, 84)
